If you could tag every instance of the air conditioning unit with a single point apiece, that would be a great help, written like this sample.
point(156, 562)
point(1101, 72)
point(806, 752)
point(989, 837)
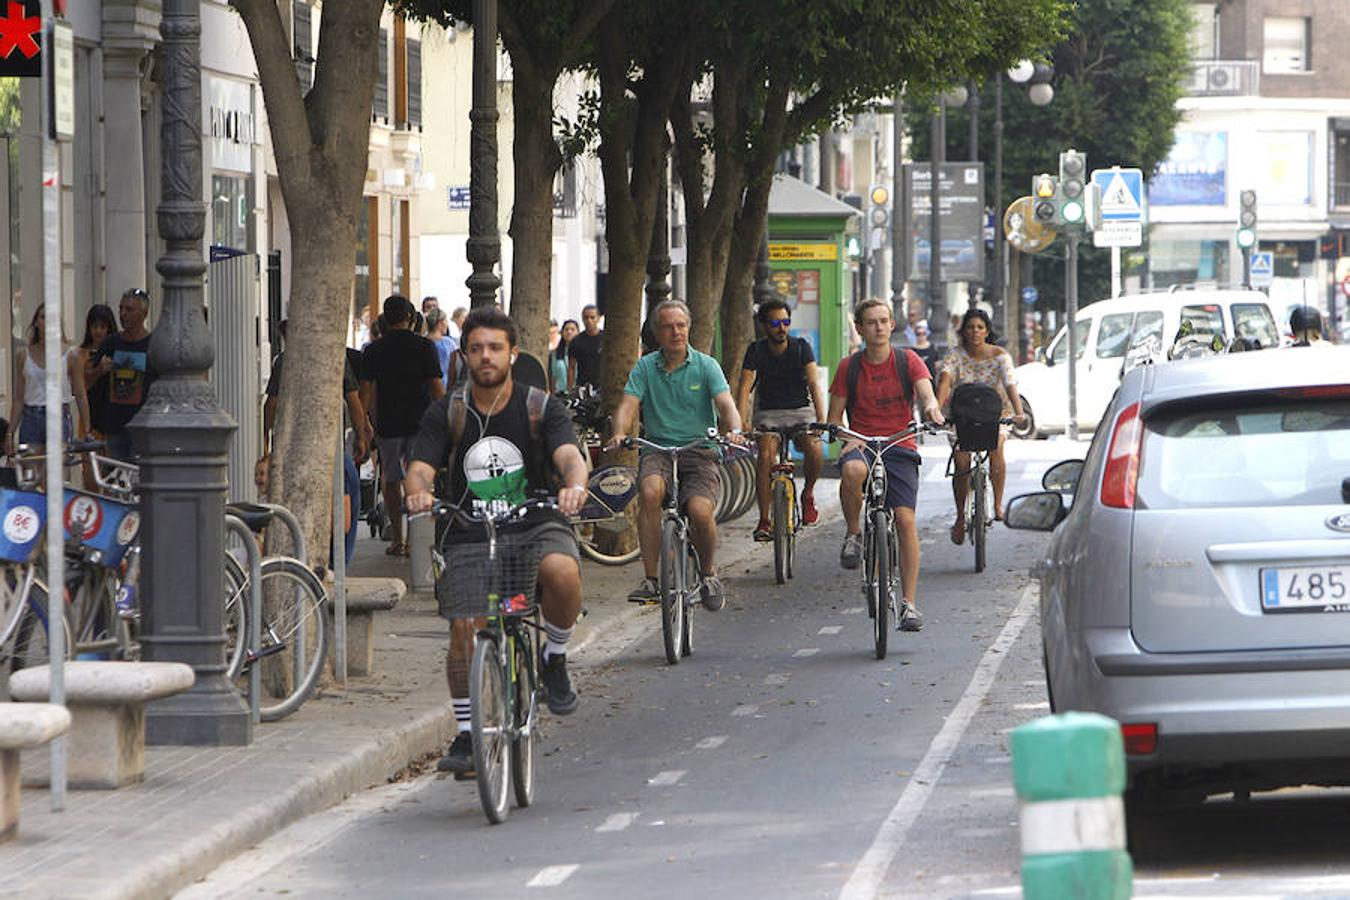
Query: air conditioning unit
point(1224, 79)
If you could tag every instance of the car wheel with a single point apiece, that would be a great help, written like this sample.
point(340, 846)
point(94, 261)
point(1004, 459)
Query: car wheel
point(1026, 431)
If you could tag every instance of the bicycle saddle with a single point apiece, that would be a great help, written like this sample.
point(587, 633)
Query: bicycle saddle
point(257, 518)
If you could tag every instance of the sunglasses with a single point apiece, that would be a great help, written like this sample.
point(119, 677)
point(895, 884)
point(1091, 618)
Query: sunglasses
point(775, 323)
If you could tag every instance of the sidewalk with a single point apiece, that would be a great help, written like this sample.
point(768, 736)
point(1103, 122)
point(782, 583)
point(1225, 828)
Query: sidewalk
point(198, 807)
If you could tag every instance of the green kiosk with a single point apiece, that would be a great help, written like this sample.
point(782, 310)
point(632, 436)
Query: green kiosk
point(809, 266)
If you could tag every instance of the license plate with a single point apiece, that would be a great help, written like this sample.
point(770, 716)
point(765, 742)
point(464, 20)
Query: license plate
point(1306, 589)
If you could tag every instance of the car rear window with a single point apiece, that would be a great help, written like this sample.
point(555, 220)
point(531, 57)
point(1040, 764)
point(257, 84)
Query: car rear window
point(1254, 322)
point(1293, 453)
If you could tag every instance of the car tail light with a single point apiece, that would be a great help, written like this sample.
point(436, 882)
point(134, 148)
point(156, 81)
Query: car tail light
point(1141, 739)
point(1317, 392)
point(1122, 459)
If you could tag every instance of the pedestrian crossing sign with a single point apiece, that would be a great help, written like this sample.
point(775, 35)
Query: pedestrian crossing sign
point(1122, 194)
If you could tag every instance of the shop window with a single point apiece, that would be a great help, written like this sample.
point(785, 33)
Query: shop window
point(302, 31)
point(1286, 45)
point(232, 211)
point(414, 118)
point(1340, 162)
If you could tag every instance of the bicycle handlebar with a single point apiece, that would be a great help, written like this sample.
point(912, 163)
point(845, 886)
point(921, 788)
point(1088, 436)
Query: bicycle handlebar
point(443, 508)
point(631, 443)
point(834, 431)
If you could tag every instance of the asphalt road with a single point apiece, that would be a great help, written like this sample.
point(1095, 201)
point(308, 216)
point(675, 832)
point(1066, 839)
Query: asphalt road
point(781, 760)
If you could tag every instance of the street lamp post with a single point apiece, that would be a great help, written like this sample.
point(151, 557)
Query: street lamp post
point(900, 208)
point(181, 433)
point(937, 299)
point(484, 248)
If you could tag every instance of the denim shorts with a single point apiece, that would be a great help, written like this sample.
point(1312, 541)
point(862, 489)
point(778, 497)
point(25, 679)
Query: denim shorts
point(902, 474)
point(33, 424)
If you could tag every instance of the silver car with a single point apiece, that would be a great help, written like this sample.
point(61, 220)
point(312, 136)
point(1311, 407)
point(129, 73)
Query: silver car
point(1197, 585)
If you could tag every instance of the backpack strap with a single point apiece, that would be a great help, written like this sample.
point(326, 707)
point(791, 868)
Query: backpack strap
point(901, 358)
point(455, 413)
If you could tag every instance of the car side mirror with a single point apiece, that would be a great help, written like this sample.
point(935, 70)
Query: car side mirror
point(1062, 477)
point(1036, 512)
point(1345, 490)
point(1045, 357)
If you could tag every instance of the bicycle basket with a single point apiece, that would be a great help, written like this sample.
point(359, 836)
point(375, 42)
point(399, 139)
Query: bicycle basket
point(975, 410)
point(462, 590)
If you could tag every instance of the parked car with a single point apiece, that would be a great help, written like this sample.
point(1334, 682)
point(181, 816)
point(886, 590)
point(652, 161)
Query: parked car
point(1116, 335)
point(1197, 584)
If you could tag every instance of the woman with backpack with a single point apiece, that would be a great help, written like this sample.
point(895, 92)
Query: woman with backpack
point(978, 360)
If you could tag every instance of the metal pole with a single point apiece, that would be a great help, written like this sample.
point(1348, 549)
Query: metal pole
point(937, 301)
point(181, 433)
point(899, 210)
point(1116, 287)
point(1003, 303)
point(484, 247)
point(1071, 316)
point(1247, 267)
point(339, 566)
point(54, 370)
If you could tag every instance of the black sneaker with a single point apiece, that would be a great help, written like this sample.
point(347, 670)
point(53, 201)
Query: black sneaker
point(459, 758)
point(558, 693)
point(713, 594)
point(648, 591)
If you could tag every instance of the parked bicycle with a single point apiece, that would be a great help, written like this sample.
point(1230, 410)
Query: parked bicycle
point(496, 581)
point(294, 626)
point(607, 523)
point(880, 543)
point(786, 508)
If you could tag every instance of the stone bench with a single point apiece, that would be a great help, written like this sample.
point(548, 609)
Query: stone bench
point(365, 597)
point(22, 727)
point(107, 708)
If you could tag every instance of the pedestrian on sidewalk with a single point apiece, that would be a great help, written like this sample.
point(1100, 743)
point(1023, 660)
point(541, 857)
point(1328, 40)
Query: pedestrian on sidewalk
point(400, 375)
point(125, 358)
point(29, 405)
point(500, 440)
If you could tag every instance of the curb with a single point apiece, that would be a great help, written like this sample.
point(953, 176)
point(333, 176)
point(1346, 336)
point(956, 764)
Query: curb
point(366, 765)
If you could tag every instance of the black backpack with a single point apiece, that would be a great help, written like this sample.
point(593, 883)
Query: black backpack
point(975, 410)
point(901, 357)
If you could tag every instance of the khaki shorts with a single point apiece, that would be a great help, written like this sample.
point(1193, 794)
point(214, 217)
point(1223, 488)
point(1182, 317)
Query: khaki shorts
point(784, 418)
point(700, 472)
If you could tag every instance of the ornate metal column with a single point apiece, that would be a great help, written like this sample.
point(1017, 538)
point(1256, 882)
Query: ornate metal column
point(485, 244)
point(181, 433)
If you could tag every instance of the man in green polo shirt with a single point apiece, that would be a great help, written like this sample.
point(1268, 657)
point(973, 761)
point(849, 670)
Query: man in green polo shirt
point(681, 393)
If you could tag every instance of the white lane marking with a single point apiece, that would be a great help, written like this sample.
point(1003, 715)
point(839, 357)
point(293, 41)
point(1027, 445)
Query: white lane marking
point(617, 822)
point(871, 869)
point(551, 876)
point(831, 629)
point(852, 610)
point(997, 760)
point(992, 792)
point(711, 743)
point(776, 679)
point(980, 832)
point(746, 709)
point(666, 779)
point(1032, 706)
point(805, 652)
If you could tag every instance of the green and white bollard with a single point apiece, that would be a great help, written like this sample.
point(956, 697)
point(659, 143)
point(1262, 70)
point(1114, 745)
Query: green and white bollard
point(1069, 772)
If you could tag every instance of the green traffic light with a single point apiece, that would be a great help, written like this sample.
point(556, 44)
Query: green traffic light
point(1072, 211)
point(1246, 237)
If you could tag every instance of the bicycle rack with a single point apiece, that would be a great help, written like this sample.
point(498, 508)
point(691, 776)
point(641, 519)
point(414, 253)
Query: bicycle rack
point(298, 551)
point(250, 543)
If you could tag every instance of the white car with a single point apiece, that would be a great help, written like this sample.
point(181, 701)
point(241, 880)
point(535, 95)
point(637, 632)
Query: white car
point(1131, 329)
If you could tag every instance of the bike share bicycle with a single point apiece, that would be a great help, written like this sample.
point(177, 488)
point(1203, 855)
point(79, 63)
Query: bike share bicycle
point(496, 581)
point(975, 414)
point(880, 543)
point(608, 520)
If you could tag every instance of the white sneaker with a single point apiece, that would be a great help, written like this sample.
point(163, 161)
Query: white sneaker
point(910, 617)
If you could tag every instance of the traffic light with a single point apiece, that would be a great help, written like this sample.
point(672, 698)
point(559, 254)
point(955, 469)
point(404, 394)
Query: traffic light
point(1045, 199)
point(1246, 233)
point(878, 213)
point(1072, 185)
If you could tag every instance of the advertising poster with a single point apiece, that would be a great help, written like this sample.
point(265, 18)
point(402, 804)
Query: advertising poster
point(1195, 173)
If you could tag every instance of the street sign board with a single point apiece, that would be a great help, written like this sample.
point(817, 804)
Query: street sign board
point(1025, 232)
point(961, 208)
point(1262, 270)
point(1122, 207)
point(457, 197)
point(1030, 295)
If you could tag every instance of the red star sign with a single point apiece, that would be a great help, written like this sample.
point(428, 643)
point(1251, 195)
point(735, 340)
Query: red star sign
point(17, 31)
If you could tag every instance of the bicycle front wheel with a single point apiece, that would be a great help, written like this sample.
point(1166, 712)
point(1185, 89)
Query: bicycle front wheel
point(490, 725)
point(979, 521)
point(881, 577)
point(523, 654)
point(99, 629)
point(235, 584)
point(673, 588)
point(28, 645)
point(782, 531)
point(294, 634)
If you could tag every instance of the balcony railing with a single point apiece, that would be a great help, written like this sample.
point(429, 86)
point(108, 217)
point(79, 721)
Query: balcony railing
point(1224, 78)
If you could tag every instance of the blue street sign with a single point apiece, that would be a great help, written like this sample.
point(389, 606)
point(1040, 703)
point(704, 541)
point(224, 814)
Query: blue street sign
point(1122, 194)
point(457, 197)
point(1030, 295)
point(1263, 268)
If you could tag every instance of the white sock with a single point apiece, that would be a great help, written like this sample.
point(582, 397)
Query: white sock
point(462, 714)
point(557, 639)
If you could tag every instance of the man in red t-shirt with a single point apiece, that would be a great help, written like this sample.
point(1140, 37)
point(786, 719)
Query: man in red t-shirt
point(881, 407)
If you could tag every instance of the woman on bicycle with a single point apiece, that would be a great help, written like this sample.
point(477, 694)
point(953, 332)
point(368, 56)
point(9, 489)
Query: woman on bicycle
point(29, 407)
point(978, 360)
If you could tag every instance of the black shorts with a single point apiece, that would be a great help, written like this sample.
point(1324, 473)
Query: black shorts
point(902, 474)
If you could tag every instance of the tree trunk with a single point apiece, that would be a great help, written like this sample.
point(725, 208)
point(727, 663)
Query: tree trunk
point(737, 318)
point(536, 159)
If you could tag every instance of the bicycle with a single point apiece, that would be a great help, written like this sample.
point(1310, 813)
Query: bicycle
point(294, 619)
point(495, 581)
point(680, 575)
point(978, 500)
point(786, 508)
point(609, 517)
point(881, 544)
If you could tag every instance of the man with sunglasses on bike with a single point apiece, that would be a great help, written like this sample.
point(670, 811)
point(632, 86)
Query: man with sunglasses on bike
point(503, 439)
point(781, 370)
point(877, 387)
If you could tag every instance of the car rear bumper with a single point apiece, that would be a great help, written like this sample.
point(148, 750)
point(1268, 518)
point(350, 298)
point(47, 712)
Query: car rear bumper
point(1213, 709)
